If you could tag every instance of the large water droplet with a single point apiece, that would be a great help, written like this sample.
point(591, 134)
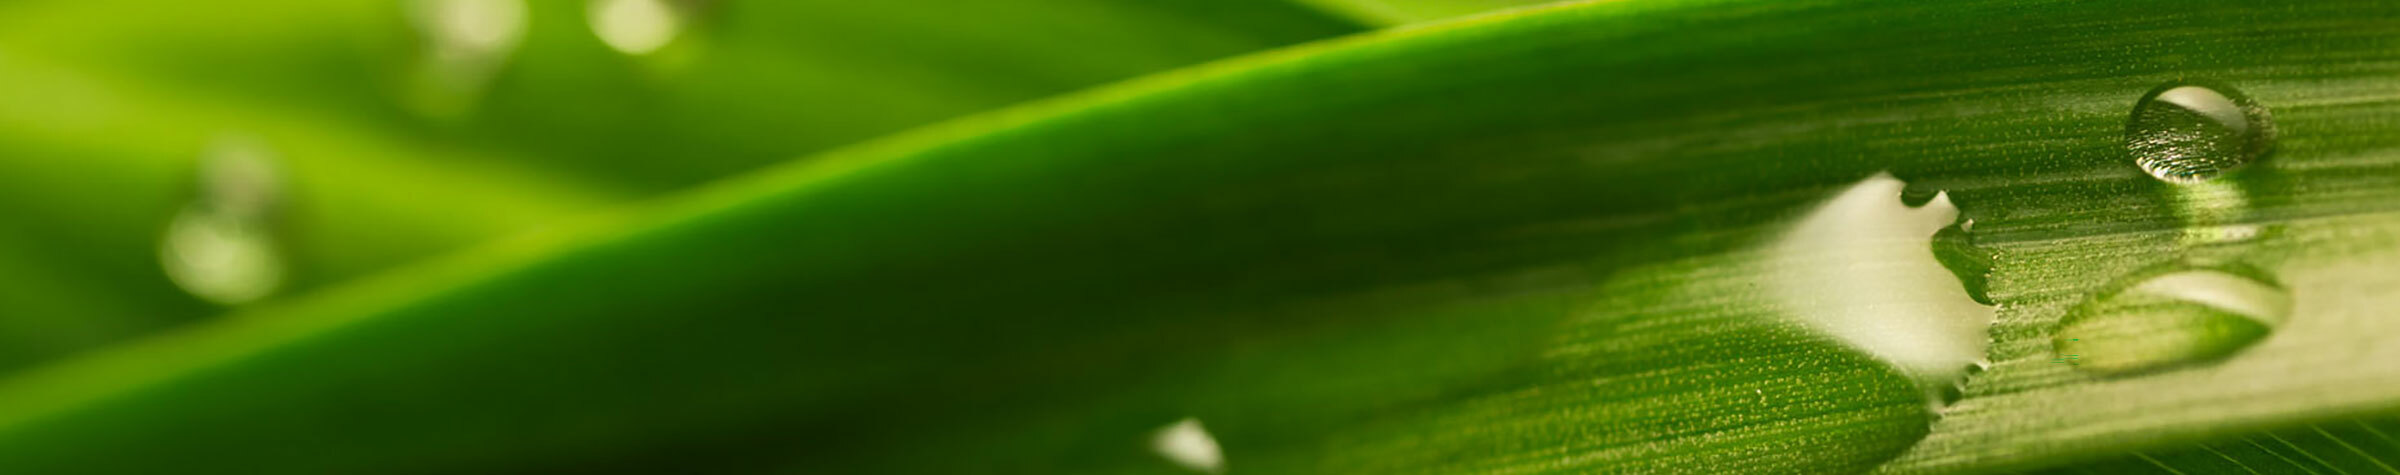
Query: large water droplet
point(1868, 270)
point(2173, 315)
point(2187, 132)
point(635, 26)
point(221, 247)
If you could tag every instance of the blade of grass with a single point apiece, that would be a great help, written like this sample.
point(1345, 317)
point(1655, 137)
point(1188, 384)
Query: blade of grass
point(994, 273)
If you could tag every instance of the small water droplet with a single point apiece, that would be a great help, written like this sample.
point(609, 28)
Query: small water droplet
point(1188, 444)
point(635, 27)
point(2172, 315)
point(2186, 132)
point(221, 247)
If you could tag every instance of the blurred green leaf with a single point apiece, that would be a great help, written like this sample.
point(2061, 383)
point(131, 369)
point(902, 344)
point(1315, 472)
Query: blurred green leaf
point(99, 165)
point(747, 83)
point(1401, 12)
point(107, 109)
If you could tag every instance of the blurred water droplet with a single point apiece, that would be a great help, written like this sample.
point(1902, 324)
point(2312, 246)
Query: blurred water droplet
point(472, 27)
point(2184, 132)
point(635, 27)
point(1188, 444)
point(219, 258)
point(221, 247)
point(466, 42)
point(238, 178)
point(2174, 315)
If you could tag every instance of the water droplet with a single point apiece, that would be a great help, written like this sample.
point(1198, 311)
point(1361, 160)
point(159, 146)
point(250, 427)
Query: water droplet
point(2186, 132)
point(1188, 444)
point(1860, 268)
point(635, 27)
point(466, 42)
point(219, 258)
point(220, 247)
point(471, 27)
point(2177, 314)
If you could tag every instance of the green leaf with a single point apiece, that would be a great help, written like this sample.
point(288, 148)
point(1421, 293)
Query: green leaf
point(2355, 446)
point(1401, 12)
point(747, 83)
point(1541, 240)
point(109, 109)
point(100, 165)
